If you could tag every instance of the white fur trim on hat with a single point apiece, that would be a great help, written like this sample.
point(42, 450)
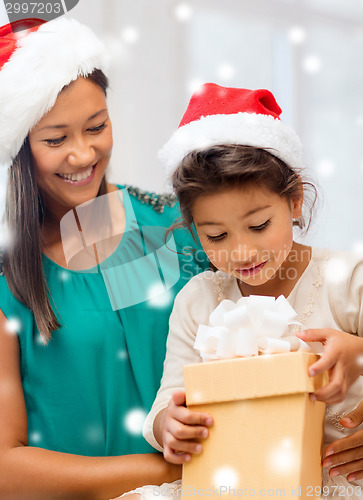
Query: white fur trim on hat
point(43, 63)
point(249, 129)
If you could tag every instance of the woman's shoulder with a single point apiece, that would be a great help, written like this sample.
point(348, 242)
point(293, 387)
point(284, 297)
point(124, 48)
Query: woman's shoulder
point(10, 305)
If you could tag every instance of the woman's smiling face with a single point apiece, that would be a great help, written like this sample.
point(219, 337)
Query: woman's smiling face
point(246, 232)
point(71, 147)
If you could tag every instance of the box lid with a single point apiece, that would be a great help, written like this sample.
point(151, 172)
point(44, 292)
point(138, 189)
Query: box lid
point(252, 377)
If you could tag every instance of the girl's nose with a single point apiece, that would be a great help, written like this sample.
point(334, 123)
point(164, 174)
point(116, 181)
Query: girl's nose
point(244, 252)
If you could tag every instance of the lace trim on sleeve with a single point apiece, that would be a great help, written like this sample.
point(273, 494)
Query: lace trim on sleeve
point(314, 293)
point(218, 279)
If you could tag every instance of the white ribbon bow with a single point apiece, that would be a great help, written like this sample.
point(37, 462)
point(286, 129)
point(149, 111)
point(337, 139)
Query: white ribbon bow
point(254, 324)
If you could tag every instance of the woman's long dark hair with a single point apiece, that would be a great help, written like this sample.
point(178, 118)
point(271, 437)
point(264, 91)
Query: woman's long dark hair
point(24, 216)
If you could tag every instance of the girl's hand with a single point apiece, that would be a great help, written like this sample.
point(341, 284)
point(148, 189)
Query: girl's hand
point(346, 455)
point(342, 357)
point(182, 429)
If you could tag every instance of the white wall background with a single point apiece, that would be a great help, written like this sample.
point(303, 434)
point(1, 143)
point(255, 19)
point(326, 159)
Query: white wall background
point(308, 52)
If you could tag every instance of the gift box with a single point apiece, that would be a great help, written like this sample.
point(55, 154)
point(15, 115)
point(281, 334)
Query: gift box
point(267, 434)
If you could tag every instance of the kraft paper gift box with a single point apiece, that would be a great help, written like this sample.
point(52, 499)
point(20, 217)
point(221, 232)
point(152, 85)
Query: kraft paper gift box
point(267, 434)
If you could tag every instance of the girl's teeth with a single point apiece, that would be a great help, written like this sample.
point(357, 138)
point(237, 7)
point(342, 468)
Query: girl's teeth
point(77, 177)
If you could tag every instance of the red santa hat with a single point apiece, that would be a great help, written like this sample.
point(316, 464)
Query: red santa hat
point(35, 65)
point(221, 115)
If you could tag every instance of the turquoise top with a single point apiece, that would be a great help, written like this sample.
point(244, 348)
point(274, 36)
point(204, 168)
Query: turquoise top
point(87, 392)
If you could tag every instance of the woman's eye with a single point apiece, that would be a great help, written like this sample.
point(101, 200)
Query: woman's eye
point(261, 226)
point(54, 142)
point(98, 128)
point(216, 238)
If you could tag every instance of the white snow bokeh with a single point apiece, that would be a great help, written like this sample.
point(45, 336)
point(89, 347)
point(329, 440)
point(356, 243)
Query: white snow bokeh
point(297, 35)
point(312, 64)
point(35, 437)
point(359, 361)
point(325, 168)
point(226, 71)
point(94, 434)
point(226, 477)
point(64, 275)
point(13, 325)
point(158, 296)
point(134, 421)
point(282, 459)
point(122, 354)
point(130, 35)
point(358, 247)
point(194, 85)
point(183, 12)
point(336, 270)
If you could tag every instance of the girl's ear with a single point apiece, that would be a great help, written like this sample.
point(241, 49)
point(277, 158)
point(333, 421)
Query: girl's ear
point(297, 203)
point(296, 207)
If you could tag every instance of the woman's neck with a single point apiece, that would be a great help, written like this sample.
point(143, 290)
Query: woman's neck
point(286, 277)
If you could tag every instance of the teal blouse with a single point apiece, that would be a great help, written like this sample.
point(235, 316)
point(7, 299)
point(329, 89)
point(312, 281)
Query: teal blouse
point(87, 392)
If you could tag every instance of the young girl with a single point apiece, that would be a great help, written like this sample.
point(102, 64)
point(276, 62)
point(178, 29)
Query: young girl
point(237, 171)
point(83, 313)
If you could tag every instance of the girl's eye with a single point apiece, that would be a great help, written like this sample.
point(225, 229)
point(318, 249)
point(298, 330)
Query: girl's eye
point(261, 227)
point(216, 238)
point(54, 142)
point(98, 128)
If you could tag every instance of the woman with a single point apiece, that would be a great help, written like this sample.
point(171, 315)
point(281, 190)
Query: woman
point(86, 292)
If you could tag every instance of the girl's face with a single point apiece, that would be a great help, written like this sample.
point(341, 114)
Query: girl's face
point(246, 232)
point(71, 147)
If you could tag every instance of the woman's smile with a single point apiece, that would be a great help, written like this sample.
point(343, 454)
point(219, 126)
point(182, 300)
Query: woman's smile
point(81, 177)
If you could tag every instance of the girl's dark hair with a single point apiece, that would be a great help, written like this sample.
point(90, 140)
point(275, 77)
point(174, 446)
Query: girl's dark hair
point(24, 216)
point(206, 171)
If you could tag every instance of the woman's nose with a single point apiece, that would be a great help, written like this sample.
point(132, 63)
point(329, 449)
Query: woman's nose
point(81, 154)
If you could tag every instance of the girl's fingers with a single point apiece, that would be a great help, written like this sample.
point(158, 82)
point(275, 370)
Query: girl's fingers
point(182, 446)
point(189, 417)
point(178, 398)
point(325, 363)
point(175, 458)
point(336, 388)
point(313, 335)
point(186, 432)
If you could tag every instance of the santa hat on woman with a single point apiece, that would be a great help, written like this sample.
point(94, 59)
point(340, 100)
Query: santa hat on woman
point(35, 64)
point(222, 115)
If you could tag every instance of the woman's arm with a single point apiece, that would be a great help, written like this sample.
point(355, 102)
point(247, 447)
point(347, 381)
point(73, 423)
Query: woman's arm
point(34, 473)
